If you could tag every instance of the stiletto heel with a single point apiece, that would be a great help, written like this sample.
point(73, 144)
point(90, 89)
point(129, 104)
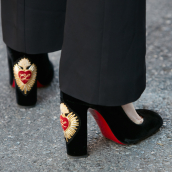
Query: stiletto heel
point(73, 119)
point(113, 122)
point(25, 75)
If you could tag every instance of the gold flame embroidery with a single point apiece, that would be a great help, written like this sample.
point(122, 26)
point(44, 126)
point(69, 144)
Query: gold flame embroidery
point(69, 122)
point(25, 75)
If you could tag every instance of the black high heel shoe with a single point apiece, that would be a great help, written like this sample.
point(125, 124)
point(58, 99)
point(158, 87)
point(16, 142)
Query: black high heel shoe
point(25, 75)
point(113, 122)
point(27, 72)
point(44, 66)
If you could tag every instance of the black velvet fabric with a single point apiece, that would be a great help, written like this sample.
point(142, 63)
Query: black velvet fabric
point(77, 146)
point(10, 67)
point(45, 68)
point(30, 98)
point(122, 127)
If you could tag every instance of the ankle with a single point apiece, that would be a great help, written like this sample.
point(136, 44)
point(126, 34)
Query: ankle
point(132, 114)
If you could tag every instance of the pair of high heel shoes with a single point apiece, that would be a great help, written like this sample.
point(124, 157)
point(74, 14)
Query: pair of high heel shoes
point(27, 72)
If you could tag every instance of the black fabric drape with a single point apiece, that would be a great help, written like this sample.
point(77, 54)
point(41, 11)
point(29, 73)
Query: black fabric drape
point(33, 26)
point(103, 54)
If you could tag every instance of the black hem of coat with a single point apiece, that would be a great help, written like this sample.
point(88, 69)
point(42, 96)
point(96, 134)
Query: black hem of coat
point(113, 103)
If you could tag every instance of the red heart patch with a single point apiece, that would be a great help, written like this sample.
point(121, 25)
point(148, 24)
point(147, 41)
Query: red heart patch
point(64, 122)
point(25, 76)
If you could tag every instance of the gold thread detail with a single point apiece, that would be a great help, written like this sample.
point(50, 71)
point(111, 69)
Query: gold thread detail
point(64, 108)
point(69, 122)
point(25, 74)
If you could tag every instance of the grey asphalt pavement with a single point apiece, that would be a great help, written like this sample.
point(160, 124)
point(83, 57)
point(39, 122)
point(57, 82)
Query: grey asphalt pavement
point(31, 140)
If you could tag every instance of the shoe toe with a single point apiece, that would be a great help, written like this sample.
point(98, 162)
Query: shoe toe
point(153, 119)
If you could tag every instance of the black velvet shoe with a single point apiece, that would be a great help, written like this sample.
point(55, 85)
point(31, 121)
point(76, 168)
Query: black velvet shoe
point(75, 128)
point(113, 122)
point(44, 67)
point(25, 76)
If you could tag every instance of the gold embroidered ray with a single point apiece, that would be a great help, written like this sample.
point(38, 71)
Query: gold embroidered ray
point(25, 63)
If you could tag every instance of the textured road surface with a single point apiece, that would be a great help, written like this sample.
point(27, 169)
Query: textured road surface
point(31, 140)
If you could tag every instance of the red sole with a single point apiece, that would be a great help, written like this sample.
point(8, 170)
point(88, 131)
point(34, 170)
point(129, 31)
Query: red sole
point(104, 127)
point(39, 85)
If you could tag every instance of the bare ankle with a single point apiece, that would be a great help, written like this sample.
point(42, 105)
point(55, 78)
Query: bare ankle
point(132, 114)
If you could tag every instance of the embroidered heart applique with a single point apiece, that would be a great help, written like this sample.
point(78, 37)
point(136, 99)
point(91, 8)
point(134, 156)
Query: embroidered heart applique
point(64, 122)
point(24, 76)
point(70, 122)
